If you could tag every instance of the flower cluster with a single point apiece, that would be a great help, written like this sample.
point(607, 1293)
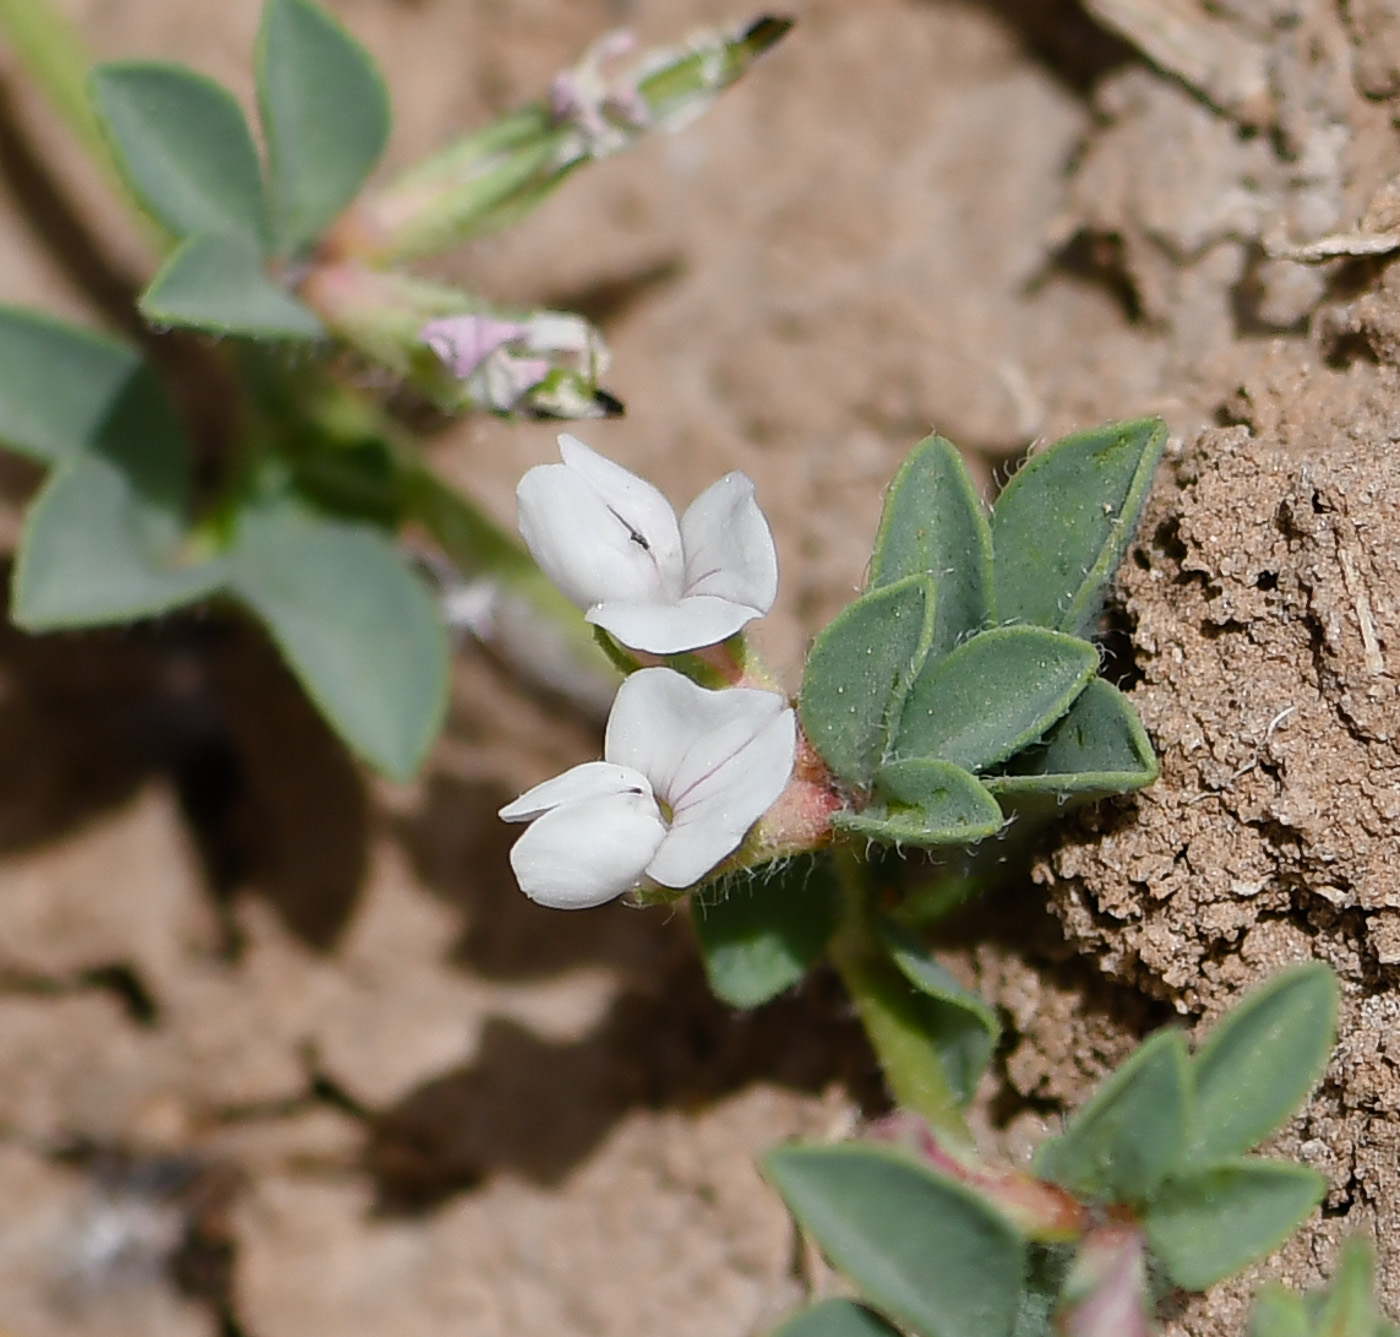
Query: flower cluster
point(606, 113)
point(611, 543)
point(687, 771)
point(504, 365)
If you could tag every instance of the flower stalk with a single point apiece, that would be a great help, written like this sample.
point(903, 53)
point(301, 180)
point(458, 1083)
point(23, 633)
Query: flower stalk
point(487, 180)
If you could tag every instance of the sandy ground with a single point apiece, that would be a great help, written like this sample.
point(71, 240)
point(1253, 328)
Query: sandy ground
point(284, 1052)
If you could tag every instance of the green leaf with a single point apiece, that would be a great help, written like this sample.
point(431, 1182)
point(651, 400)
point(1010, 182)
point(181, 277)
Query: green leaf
point(924, 802)
point(1278, 1312)
point(923, 1250)
point(962, 1028)
point(1128, 1137)
point(58, 384)
point(836, 1318)
point(992, 695)
point(1098, 748)
point(216, 282)
point(934, 525)
point(106, 539)
point(184, 147)
point(896, 1019)
point(1062, 524)
point(1261, 1060)
point(1050, 1267)
point(1204, 1225)
point(858, 671)
point(681, 82)
point(356, 625)
point(764, 928)
point(1348, 1308)
point(325, 112)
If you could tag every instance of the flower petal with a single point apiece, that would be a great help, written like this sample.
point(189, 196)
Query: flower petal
point(594, 779)
point(719, 759)
point(711, 818)
point(657, 716)
point(503, 380)
point(561, 332)
point(642, 517)
point(464, 342)
point(729, 550)
point(671, 628)
point(579, 543)
point(583, 854)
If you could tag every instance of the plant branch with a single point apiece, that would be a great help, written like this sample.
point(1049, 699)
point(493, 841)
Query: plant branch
point(53, 54)
point(886, 1003)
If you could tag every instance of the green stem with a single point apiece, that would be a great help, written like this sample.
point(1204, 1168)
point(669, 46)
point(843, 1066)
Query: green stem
point(888, 1009)
point(56, 59)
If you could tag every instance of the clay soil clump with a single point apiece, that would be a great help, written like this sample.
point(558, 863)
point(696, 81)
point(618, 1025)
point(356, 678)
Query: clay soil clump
point(1263, 601)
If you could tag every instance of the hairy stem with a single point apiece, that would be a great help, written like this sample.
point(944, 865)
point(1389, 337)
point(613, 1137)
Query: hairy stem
point(887, 1006)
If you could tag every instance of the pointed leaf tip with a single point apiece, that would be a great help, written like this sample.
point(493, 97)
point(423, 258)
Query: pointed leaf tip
point(1206, 1224)
point(933, 524)
point(766, 31)
point(1098, 748)
point(1063, 522)
point(959, 1024)
point(858, 671)
point(1261, 1059)
point(1128, 1137)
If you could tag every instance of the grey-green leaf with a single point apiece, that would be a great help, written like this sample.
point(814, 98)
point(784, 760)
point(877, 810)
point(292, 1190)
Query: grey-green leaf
point(858, 671)
point(216, 282)
point(963, 1029)
point(926, 1252)
point(1261, 1060)
point(992, 695)
point(105, 541)
point(183, 146)
point(1128, 1137)
point(325, 113)
point(934, 524)
point(1098, 748)
point(1348, 1308)
point(760, 930)
point(1062, 524)
point(58, 384)
point(1278, 1312)
point(1204, 1225)
point(356, 625)
point(836, 1318)
point(924, 802)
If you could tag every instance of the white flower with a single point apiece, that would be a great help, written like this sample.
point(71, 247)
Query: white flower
point(611, 543)
point(686, 773)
